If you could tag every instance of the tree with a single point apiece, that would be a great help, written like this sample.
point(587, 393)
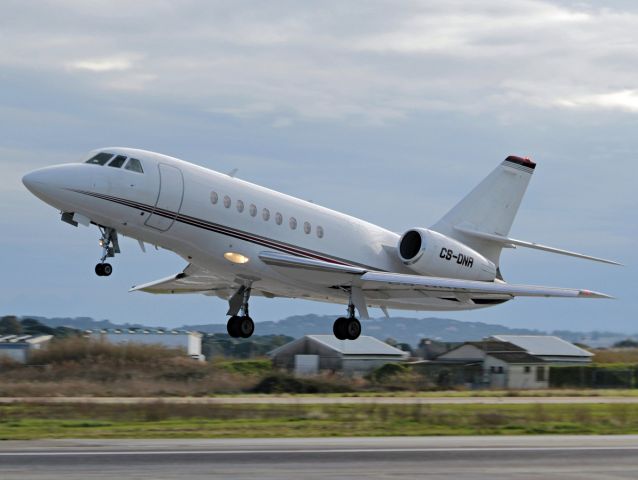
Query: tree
point(10, 325)
point(627, 343)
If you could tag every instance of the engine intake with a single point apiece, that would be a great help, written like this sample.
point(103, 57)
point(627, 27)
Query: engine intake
point(427, 252)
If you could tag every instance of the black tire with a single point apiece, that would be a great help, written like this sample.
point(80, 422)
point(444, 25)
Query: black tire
point(99, 271)
point(232, 326)
point(246, 326)
point(107, 269)
point(352, 328)
point(338, 328)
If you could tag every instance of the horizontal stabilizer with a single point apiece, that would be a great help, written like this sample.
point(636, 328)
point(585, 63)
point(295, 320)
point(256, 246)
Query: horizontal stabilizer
point(504, 241)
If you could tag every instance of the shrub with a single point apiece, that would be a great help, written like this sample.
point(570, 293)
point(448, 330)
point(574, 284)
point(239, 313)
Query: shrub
point(87, 350)
point(387, 372)
point(246, 367)
point(284, 383)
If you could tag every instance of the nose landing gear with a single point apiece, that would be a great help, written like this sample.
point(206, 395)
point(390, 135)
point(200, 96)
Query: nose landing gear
point(110, 246)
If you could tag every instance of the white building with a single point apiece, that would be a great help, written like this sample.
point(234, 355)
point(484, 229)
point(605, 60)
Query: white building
point(314, 353)
point(504, 364)
point(18, 347)
point(191, 342)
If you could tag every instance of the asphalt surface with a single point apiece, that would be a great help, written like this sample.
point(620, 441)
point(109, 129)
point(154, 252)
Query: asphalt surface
point(502, 457)
point(323, 400)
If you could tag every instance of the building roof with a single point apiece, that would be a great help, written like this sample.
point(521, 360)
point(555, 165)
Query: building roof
point(24, 339)
point(140, 331)
point(496, 346)
point(516, 357)
point(364, 345)
point(544, 345)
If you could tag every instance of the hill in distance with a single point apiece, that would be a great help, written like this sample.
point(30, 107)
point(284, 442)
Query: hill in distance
point(401, 329)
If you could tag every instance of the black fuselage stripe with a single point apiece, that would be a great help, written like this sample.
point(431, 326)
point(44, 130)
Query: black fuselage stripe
point(213, 227)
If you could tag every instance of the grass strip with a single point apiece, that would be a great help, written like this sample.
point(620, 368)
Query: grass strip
point(158, 420)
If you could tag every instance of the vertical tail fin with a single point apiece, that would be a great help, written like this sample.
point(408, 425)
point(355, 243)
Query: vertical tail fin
point(490, 207)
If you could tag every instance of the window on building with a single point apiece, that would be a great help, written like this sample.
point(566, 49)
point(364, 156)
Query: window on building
point(118, 161)
point(252, 209)
point(293, 223)
point(527, 369)
point(240, 206)
point(226, 201)
point(100, 159)
point(540, 374)
point(134, 165)
point(307, 227)
point(214, 198)
point(319, 231)
point(265, 214)
point(279, 218)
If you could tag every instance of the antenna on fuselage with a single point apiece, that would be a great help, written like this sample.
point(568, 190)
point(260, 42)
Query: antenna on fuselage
point(233, 172)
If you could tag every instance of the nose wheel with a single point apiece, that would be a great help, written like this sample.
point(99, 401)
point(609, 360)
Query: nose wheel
point(110, 246)
point(103, 269)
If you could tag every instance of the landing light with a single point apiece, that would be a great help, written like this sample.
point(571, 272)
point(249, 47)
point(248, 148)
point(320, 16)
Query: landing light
point(236, 257)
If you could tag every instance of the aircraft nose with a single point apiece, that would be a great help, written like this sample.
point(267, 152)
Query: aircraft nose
point(49, 184)
point(35, 180)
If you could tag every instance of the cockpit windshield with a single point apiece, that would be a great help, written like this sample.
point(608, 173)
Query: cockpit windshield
point(118, 161)
point(134, 165)
point(100, 159)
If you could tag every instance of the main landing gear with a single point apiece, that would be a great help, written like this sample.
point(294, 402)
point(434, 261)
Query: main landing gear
point(240, 325)
point(347, 328)
point(110, 246)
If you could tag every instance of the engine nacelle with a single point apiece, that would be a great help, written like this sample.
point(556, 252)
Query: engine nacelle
point(436, 255)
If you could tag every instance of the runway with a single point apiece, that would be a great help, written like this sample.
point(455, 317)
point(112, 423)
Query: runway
point(475, 458)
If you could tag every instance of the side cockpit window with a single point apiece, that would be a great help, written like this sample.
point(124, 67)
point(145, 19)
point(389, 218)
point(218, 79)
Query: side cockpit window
point(134, 165)
point(118, 161)
point(100, 159)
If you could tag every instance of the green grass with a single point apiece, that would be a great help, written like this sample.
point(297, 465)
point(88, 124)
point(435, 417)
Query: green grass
point(33, 421)
point(555, 392)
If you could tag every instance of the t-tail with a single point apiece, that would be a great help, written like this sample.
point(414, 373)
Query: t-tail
point(483, 219)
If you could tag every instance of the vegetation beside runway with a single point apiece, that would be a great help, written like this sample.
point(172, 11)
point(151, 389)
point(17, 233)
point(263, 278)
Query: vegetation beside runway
point(160, 420)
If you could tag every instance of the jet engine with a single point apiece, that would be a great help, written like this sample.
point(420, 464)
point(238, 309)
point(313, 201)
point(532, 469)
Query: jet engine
point(433, 254)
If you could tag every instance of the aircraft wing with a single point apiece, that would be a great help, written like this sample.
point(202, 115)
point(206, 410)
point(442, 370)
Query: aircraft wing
point(192, 280)
point(379, 285)
point(436, 286)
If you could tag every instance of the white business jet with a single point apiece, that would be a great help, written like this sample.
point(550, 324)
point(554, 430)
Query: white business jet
point(240, 239)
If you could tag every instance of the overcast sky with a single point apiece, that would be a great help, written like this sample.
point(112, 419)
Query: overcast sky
point(390, 111)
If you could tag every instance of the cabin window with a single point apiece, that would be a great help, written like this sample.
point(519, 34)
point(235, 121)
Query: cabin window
point(214, 198)
point(293, 223)
point(279, 218)
point(306, 227)
point(252, 209)
point(319, 231)
point(265, 214)
point(226, 201)
point(100, 159)
point(134, 165)
point(118, 161)
point(240, 206)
